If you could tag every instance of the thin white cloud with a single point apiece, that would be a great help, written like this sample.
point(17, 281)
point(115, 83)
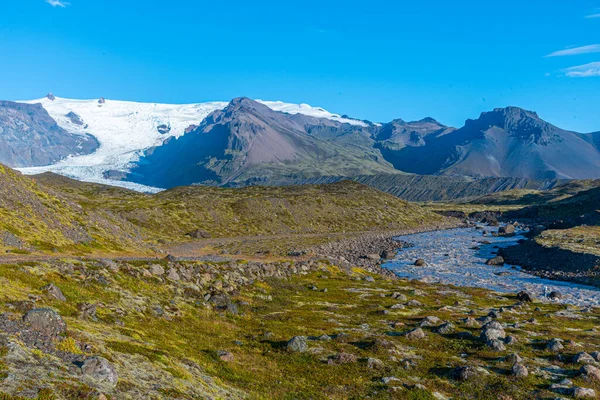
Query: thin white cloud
point(583, 71)
point(58, 3)
point(575, 51)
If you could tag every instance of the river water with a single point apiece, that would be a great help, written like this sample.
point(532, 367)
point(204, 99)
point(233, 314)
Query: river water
point(451, 259)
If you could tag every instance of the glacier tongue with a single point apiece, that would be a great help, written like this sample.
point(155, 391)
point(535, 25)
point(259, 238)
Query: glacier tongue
point(125, 129)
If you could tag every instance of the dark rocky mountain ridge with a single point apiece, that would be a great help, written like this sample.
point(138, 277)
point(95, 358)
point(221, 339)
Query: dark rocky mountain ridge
point(30, 137)
point(249, 141)
point(505, 142)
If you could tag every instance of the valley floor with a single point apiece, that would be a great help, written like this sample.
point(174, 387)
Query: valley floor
point(287, 317)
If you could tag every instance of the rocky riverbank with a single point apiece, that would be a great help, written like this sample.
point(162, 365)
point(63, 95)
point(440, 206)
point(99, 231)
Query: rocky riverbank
point(554, 263)
point(368, 251)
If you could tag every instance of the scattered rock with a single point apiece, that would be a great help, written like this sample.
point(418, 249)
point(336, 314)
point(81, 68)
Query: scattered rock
point(389, 379)
point(297, 344)
point(496, 345)
point(492, 331)
point(157, 270)
point(342, 358)
point(555, 345)
point(429, 321)
point(445, 329)
point(525, 296)
point(583, 393)
point(520, 371)
point(555, 295)
point(464, 373)
point(100, 370)
point(415, 334)
point(374, 363)
point(170, 258)
point(513, 358)
point(497, 261)
point(399, 296)
point(225, 356)
point(54, 291)
point(173, 275)
point(583, 358)
point(420, 263)
point(45, 321)
point(199, 234)
point(506, 230)
point(87, 311)
point(510, 340)
point(591, 372)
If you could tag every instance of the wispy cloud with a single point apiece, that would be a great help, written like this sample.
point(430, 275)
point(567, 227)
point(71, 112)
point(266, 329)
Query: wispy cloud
point(593, 16)
point(575, 51)
point(583, 71)
point(58, 3)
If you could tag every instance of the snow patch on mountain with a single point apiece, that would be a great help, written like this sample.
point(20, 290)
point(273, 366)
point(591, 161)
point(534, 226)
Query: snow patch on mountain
point(125, 129)
point(305, 109)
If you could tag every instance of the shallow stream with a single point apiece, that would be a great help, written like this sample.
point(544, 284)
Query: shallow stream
point(451, 259)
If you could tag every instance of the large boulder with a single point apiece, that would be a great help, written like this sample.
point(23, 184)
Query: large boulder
point(45, 321)
point(297, 344)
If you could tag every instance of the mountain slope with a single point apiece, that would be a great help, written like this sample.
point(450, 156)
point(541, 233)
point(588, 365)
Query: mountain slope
point(30, 137)
point(249, 141)
point(223, 212)
point(34, 217)
point(508, 142)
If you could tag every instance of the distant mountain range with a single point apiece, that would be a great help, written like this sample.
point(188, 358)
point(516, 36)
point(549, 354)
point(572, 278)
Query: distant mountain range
point(506, 142)
point(143, 145)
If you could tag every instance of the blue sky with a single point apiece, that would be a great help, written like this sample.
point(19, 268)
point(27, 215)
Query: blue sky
point(374, 59)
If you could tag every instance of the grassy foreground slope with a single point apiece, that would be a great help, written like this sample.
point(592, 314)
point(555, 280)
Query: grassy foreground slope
point(34, 217)
point(309, 209)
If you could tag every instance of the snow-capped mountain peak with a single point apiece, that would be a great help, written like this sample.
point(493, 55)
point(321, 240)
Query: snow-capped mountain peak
point(125, 129)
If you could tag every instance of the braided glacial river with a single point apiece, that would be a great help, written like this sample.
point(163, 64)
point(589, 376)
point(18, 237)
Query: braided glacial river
point(451, 259)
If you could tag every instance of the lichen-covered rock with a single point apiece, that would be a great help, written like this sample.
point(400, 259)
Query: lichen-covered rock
point(591, 372)
point(555, 345)
point(520, 371)
point(464, 373)
point(342, 358)
point(100, 370)
point(45, 321)
point(415, 334)
point(54, 291)
point(297, 344)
